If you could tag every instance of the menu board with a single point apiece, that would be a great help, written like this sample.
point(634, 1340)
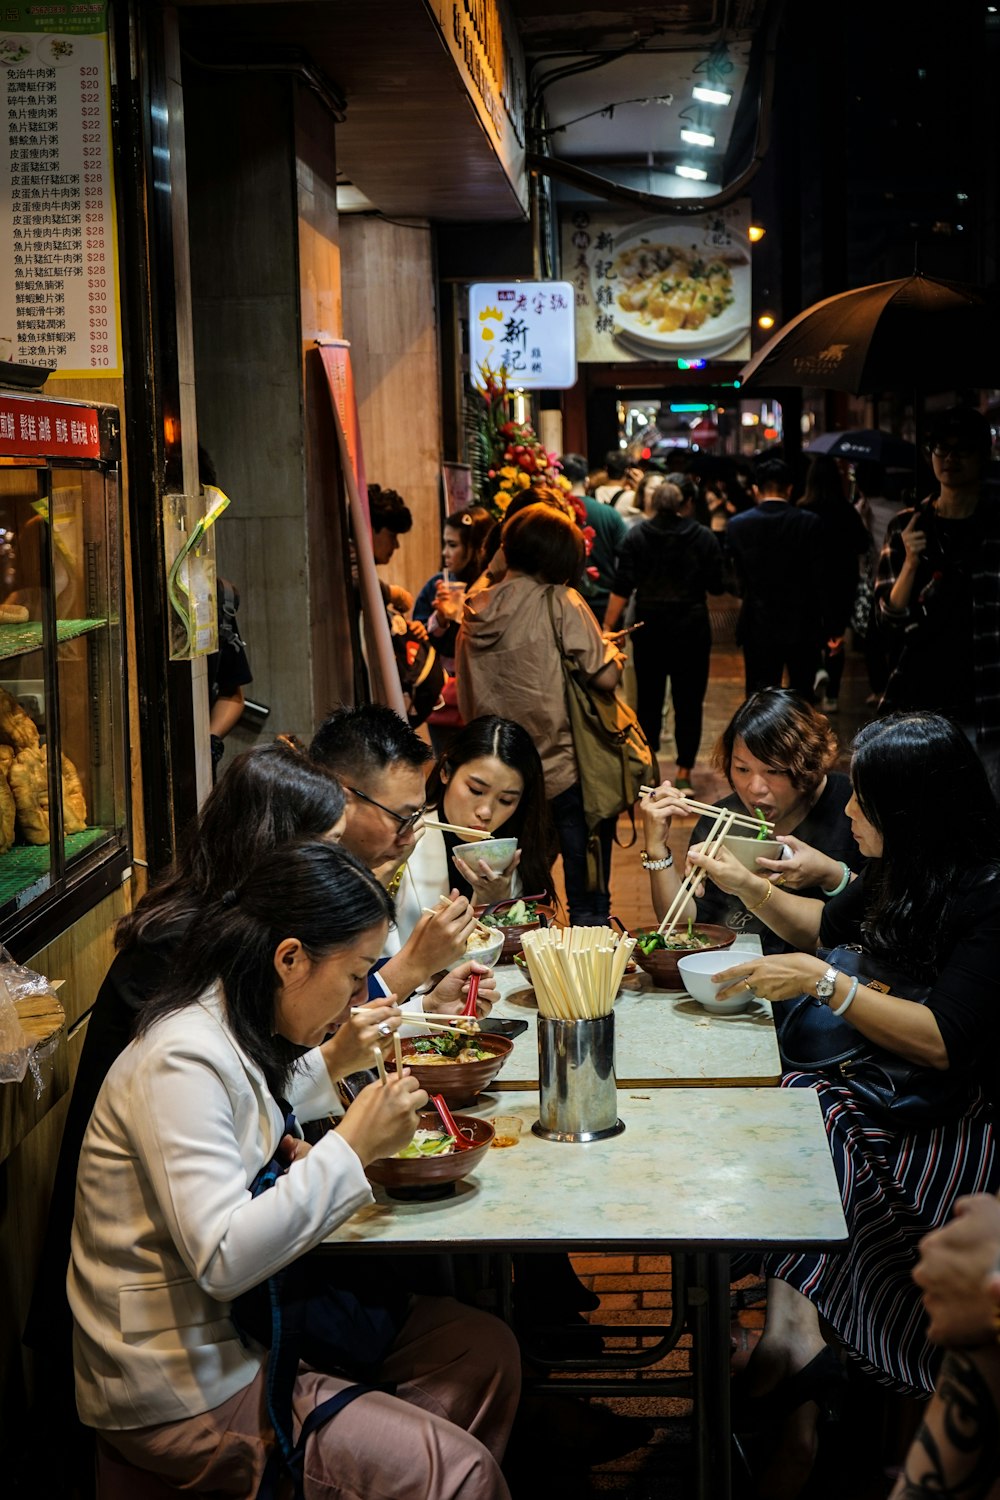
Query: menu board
point(58, 247)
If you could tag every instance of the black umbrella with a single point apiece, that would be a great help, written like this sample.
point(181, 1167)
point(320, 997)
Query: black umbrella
point(916, 334)
point(869, 443)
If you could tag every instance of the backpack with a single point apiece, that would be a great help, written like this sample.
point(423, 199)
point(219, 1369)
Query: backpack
point(612, 753)
point(421, 674)
point(227, 601)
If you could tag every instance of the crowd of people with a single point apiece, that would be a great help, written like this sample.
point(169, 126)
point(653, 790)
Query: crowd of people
point(254, 978)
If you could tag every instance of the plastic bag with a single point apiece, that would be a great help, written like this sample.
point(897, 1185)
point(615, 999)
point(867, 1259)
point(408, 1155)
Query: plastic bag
point(20, 1051)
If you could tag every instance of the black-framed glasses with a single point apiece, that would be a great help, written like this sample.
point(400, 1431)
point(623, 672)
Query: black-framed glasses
point(405, 822)
point(953, 449)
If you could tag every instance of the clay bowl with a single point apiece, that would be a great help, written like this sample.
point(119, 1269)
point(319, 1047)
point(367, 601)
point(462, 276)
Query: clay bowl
point(433, 1176)
point(457, 1082)
point(512, 935)
point(661, 964)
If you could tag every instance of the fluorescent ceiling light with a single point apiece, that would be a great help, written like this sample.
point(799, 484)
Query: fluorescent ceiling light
point(712, 93)
point(697, 135)
point(697, 174)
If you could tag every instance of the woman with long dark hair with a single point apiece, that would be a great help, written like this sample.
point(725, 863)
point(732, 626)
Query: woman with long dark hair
point(167, 1233)
point(440, 602)
point(490, 777)
point(925, 913)
point(266, 797)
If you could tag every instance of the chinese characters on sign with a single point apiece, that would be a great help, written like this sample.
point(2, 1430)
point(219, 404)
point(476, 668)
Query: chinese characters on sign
point(528, 327)
point(58, 253)
point(34, 428)
point(659, 289)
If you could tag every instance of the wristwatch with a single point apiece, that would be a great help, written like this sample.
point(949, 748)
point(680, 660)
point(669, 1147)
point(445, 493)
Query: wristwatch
point(656, 864)
point(825, 983)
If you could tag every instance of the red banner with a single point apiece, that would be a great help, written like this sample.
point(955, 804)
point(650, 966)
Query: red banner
point(31, 427)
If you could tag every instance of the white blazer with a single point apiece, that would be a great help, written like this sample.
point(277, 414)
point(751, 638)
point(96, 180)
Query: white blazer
point(425, 878)
point(166, 1233)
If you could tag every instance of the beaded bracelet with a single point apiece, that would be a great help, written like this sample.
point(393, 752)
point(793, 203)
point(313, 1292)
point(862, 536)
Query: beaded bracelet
point(843, 882)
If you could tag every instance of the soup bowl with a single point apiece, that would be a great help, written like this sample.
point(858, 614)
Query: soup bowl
point(661, 964)
point(433, 1176)
point(457, 1082)
point(696, 970)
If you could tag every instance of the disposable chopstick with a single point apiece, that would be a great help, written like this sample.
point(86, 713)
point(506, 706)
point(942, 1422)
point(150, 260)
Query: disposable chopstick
point(687, 884)
point(430, 912)
point(380, 1064)
point(709, 808)
point(414, 1018)
point(397, 1048)
point(472, 833)
point(711, 846)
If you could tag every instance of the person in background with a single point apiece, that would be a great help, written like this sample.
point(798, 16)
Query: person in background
point(777, 556)
point(694, 507)
point(228, 672)
point(846, 542)
point(609, 530)
point(777, 753)
point(167, 1234)
point(956, 1453)
point(938, 590)
point(509, 665)
point(439, 607)
point(876, 510)
point(622, 478)
point(391, 519)
point(381, 765)
point(670, 563)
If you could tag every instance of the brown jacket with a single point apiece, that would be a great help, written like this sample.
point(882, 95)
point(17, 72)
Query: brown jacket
point(508, 664)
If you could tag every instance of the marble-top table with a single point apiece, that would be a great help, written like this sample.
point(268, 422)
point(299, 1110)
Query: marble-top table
point(663, 1038)
point(702, 1172)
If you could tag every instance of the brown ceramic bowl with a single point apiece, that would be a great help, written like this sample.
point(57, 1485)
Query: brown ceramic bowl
point(512, 935)
point(661, 964)
point(426, 1176)
point(457, 1082)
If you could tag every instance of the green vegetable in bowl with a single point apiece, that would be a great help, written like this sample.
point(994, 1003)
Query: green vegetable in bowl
point(651, 942)
point(517, 915)
point(762, 832)
point(427, 1143)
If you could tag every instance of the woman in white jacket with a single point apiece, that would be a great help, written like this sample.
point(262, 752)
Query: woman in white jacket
point(489, 778)
point(166, 1233)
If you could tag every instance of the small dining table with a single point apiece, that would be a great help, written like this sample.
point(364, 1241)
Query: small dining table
point(705, 1173)
point(663, 1038)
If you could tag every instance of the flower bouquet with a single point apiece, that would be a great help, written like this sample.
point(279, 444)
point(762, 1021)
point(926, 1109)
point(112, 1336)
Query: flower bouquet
point(506, 455)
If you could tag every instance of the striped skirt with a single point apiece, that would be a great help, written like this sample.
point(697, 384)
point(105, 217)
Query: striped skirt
point(895, 1188)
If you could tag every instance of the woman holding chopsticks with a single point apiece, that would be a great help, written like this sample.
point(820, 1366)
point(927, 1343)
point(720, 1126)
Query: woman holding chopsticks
point(923, 922)
point(488, 783)
point(776, 753)
point(167, 1234)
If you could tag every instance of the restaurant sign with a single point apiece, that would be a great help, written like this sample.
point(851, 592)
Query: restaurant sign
point(526, 327)
point(31, 427)
point(660, 289)
point(482, 38)
point(58, 250)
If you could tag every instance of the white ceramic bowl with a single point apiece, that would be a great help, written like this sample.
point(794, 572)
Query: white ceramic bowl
point(696, 970)
point(486, 955)
point(497, 853)
point(749, 850)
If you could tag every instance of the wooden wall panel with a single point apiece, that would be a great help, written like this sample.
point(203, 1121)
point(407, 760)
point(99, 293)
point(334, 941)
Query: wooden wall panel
point(390, 317)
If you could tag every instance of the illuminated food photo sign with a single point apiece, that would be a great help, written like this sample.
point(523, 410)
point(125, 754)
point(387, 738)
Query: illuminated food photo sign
point(659, 289)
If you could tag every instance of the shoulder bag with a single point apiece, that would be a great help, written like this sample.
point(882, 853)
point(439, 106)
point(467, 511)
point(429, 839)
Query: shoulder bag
point(612, 753)
point(896, 1092)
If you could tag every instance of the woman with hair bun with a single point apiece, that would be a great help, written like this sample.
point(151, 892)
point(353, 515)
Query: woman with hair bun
point(777, 753)
point(167, 1234)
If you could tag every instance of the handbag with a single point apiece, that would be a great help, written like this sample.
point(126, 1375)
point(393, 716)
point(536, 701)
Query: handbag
point(895, 1091)
point(612, 753)
point(301, 1316)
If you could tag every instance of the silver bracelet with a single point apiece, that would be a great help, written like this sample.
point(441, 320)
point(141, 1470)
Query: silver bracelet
point(656, 864)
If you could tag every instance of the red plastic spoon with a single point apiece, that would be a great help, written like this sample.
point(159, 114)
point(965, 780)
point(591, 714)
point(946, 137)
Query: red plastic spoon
point(470, 1003)
point(448, 1121)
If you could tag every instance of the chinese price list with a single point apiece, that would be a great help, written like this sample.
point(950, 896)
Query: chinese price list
point(59, 298)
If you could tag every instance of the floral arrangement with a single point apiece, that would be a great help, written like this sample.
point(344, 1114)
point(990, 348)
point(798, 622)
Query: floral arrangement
point(506, 455)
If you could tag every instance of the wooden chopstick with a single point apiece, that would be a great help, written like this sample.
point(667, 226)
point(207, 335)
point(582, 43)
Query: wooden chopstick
point(414, 1018)
point(489, 932)
point(743, 819)
point(380, 1064)
point(712, 845)
point(475, 833)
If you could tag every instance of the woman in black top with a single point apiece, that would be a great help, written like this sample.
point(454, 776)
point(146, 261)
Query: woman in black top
point(776, 753)
point(927, 905)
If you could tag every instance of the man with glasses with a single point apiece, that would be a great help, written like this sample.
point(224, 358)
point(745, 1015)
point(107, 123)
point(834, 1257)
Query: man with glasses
point(382, 766)
point(938, 590)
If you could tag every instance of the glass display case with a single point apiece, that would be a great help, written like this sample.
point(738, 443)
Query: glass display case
point(63, 741)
